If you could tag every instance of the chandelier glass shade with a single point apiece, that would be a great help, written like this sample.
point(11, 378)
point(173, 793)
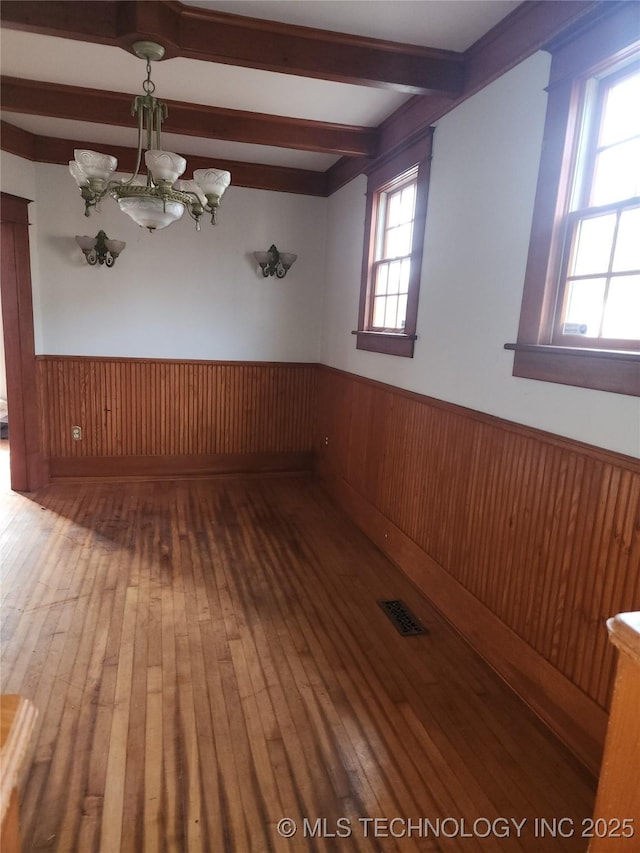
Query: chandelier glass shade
point(162, 198)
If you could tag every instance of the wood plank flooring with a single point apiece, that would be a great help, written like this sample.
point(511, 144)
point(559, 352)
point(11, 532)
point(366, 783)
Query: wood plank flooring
point(208, 658)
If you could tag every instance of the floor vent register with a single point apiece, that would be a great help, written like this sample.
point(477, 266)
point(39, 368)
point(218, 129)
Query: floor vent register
point(402, 618)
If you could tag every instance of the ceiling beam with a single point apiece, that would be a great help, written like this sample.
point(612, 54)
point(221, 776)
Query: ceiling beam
point(17, 141)
point(32, 97)
point(45, 149)
point(531, 26)
point(237, 40)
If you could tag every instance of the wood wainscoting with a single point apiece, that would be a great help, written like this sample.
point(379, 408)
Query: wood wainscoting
point(160, 418)
point(525, 541)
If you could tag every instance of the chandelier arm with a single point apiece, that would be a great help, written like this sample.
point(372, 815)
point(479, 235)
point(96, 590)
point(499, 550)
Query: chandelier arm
point(192, 197)
point(148, 109)
point(192, 213)
point(193, 207)
point(159, 117)
point(150, 114)
point(139, 154)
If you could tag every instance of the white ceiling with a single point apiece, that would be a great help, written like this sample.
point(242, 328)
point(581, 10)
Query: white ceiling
point(445, 24)
point(454, 25)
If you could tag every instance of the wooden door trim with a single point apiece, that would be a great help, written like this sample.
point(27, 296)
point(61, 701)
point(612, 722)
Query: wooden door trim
point(28, 470)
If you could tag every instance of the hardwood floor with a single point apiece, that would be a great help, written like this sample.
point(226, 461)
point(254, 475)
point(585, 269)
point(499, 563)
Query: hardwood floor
point(208, 658)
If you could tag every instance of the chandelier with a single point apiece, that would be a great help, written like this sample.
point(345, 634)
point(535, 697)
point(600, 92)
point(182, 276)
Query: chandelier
point(162, 198)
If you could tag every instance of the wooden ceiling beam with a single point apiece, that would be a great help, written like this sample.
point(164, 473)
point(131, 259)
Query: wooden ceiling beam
point(272, 46)
point(237, 40)
point(32, 97)
point(17, 141)
point(530, 27)
point(45, 149)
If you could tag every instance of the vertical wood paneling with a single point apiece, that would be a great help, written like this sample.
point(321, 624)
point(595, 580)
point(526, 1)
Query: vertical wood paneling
point(133, 408)
point(545, 532)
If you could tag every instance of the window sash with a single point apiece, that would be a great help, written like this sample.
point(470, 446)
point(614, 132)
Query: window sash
point(397, 296)
point(574, 221)
point(594, 107)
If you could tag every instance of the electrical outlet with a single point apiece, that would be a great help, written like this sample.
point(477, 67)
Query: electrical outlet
point(326, 441)
point(76, 433)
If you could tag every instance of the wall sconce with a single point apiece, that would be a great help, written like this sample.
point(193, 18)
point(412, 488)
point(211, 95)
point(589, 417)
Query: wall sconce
point(100, 249)
point(274, 262)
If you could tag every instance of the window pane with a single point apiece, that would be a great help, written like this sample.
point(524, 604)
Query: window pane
point(394, 208)
point(405, 269)
point(391, 312)
point(402, 311)
point(593, 245)
point(621, 118)
point(381, 214)
point(408, 202)
point(622, 311)
point(584, 309)
point(381, 279)
point(627, 254)
point(398, 241)
point(394, 277)
point(617, 173)
point(378, 311)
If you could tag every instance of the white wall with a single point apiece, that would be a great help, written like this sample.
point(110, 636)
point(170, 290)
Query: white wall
point(178, 293)
point(481, 197)
point(17, 176)
point(198, 295)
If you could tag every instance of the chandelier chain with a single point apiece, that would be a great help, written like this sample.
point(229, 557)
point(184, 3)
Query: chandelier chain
point(148, 85)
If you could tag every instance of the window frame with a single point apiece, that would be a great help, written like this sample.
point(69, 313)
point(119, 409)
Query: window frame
point(379, 178)
point(382, 209)
point(605, 365)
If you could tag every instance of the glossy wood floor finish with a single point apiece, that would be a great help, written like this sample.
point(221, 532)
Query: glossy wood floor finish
point(208, 657)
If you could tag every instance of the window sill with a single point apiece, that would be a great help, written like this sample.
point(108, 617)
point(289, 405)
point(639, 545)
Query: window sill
point(617, 371)
point(387, 343)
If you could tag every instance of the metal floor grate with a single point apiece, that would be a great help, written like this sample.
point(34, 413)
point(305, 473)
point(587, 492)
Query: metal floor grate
point(403, 619)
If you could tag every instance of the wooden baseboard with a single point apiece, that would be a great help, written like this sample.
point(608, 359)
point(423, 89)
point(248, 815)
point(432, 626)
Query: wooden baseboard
point(177, 467)
point(575, 718)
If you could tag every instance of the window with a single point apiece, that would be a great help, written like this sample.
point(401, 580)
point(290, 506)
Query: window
point(395, 211)
point(394, 235)
point(600, 294)
point(580, 321)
